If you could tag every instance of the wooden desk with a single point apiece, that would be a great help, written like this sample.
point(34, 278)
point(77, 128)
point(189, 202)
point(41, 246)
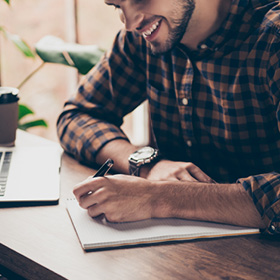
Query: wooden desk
point(47, 238)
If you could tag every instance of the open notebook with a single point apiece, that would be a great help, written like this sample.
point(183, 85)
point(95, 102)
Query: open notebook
point(99, 234)
point(29, 175)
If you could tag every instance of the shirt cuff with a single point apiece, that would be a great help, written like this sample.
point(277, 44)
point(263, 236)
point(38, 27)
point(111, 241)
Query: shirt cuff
point(265, 192)
point(83, 137)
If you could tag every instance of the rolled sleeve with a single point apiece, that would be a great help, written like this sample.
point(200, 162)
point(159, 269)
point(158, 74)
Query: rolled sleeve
point(265, 192)
point(110, 91)
point(83, 137)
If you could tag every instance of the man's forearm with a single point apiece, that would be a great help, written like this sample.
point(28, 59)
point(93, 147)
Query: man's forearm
point(223, 203)
point(118, 151)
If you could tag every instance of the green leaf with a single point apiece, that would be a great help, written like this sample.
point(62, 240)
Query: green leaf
point(19, 43)
point(55, 50)
point(27, 125)
point(7, 1)
point(23, 111)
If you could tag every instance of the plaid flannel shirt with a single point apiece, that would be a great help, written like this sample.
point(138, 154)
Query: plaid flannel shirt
point(217, 107)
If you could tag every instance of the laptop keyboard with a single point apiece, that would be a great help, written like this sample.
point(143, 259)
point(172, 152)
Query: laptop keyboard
point(5, 160)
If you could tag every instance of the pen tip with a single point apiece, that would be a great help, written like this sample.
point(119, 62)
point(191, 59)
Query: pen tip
point(110, 161)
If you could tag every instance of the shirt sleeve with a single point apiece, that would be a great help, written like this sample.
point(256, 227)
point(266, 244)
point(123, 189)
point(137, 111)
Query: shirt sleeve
point(265, 188)
point(265, 192)
point(111, 90)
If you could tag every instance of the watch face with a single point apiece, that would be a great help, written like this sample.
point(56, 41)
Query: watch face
point(143, 153)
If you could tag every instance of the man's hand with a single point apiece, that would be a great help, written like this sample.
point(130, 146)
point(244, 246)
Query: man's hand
point(175, 170)
point(123, 198)
point(120, 198)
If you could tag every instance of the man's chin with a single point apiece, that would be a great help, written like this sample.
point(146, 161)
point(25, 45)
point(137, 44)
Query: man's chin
point(158, 49)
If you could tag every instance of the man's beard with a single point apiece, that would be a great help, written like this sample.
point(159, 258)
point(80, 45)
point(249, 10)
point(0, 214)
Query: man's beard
point(177, 32)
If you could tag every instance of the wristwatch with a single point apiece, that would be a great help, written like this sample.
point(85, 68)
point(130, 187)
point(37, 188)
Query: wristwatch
point(141, 157)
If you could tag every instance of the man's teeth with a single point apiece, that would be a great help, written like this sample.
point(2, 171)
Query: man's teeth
point(151, 30)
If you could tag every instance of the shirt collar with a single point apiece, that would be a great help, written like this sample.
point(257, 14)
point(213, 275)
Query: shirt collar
point(229, 27)
point(258, 3)
point(235, 28)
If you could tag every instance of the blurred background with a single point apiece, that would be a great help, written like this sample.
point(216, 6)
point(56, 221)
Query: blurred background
point(89, 22)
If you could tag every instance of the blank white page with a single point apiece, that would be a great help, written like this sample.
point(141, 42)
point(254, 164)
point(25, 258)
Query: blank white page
point(99, 233)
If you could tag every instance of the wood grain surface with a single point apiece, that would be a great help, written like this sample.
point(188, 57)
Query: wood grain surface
point(41, 243)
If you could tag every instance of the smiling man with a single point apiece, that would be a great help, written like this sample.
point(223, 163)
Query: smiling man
point(163, 30)
point(210, 72)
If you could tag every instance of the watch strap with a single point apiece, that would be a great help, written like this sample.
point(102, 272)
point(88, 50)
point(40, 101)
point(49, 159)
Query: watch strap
point(134, 170)
point(134, 165)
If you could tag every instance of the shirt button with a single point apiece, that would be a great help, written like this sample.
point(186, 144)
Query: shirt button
point(203, 47)
point(189, 143)
point(272, 227)
point(185, 101)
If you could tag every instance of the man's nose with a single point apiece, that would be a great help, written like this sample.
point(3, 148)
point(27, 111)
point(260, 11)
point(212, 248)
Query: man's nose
point(131, 20)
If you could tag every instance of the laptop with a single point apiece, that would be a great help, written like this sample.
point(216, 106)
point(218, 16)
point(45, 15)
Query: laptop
point(29, 176)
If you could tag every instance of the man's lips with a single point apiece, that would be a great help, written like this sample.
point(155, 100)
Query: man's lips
point(150, 29)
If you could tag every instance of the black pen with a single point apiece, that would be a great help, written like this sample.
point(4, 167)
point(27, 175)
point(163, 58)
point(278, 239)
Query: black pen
point(104, 168)
point(102, 171)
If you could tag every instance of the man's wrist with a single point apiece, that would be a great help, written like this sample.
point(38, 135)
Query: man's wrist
point(145, 169)
point(161, 199)
point(140, 158)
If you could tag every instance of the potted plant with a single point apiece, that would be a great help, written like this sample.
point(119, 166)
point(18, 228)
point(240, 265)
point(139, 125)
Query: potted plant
point(52, 49)
point(23, 47)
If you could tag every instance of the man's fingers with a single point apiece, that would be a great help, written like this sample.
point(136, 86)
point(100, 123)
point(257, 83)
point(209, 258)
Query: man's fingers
point(200, 176)
point(94, 211)
point(87, 187)
point(93, 198)
point(186, 176)
point(194, 174)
